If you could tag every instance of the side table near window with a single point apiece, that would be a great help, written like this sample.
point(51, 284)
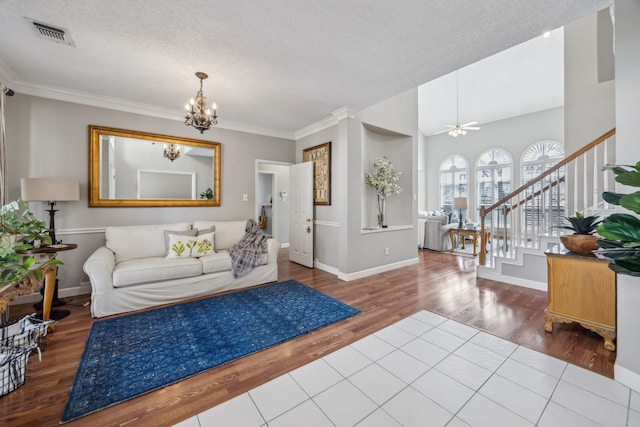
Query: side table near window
point(50, 280)
point(463, 233)
point(582, 289)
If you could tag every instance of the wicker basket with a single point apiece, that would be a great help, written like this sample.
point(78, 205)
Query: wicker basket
point(25, 332)
point(17, 341)
point(13, 367)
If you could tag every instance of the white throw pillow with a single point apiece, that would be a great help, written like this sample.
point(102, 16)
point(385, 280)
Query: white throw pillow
point(168, 233)
point(190, 246)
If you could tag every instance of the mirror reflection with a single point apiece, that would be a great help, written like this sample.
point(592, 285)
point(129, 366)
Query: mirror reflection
point(130, 168)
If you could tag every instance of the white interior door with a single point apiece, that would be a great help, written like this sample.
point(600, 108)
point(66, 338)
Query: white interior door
point(301, 214)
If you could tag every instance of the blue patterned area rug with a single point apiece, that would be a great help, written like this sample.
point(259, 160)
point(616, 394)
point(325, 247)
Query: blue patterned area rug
point(131, 355)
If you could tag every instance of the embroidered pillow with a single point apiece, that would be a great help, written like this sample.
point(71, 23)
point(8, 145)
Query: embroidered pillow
point(206, 231)
point(168, 233)
point(181, 246)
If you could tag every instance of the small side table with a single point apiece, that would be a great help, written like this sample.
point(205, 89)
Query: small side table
point(50, 272)
point(463, 232)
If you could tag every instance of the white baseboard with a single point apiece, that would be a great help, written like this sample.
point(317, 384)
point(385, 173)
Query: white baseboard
point(627, 377)
point(284, 245)
point(83, 289)
point(484, 273)
point(381, 269)
point(329, 269)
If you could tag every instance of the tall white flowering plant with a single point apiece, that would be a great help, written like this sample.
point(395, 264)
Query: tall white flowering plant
point(384, 180)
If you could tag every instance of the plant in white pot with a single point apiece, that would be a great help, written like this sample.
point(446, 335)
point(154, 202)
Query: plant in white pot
point(384, 180)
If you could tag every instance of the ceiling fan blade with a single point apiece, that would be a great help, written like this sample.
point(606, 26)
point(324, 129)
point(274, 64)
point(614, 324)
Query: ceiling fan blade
point(471, 128)
point(468, 124)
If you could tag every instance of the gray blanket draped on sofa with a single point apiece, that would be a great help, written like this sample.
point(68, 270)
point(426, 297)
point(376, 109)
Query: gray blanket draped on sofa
point(247, 253)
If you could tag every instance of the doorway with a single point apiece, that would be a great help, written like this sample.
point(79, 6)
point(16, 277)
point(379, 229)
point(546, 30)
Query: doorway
point(266, 189)
point(272, 186)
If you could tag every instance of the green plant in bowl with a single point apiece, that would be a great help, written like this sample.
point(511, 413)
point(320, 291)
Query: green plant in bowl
point(583, 240)
point(581, 224)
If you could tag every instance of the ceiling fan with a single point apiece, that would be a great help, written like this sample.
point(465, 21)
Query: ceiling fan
point(458, 129)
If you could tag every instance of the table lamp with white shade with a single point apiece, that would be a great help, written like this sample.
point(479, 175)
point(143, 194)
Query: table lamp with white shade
point(460, 203)
point(51, 190)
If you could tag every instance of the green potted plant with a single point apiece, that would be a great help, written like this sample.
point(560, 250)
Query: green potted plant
point(207, 194)
point(384, 180)
point(18, 229)
point(620, 231)
point(583, 240)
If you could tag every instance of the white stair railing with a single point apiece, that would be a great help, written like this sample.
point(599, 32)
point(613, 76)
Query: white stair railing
point(538, 207)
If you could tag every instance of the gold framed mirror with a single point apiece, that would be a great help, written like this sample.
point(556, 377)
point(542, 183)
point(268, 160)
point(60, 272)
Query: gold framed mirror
point(139, 169)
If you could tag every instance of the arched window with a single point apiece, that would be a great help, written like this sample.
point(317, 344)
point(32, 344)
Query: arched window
point(454, 180)
point(540, 157)
point(494, 178)
point(537, 159)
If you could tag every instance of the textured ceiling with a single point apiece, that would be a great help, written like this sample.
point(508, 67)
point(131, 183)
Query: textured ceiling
point(276, 66)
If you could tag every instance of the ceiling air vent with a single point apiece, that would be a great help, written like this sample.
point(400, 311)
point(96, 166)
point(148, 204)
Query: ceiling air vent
point(49, 32)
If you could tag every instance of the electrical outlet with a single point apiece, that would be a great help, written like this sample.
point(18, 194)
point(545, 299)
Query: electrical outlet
point(386, 251)
point(245, 197)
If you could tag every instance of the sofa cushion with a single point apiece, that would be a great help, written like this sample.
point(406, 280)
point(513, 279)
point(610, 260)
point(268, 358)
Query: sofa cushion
point(228, 233)
point(221, 261)
point(154, 269)
point(216, 262)
point(139, 241)
point(181, 246)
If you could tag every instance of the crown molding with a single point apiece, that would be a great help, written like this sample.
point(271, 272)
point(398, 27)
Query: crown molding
point(77, 97)
point(323, 124)
point(343, 113)
point(332, 120)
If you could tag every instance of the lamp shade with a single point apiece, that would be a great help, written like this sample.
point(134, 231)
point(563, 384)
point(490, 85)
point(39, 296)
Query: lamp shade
point(460, 203)
point(49, 189)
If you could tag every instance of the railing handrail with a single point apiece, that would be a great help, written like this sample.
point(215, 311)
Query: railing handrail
point(536, 194)
point(502, 202)
point(566, 160)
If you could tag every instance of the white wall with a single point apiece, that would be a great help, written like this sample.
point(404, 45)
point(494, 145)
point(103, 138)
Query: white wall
point(326, 217)
point(48, 138)
point(361, 252)
point(627, 38)
point(588, 105)
point(389, 127)
point(513, 135)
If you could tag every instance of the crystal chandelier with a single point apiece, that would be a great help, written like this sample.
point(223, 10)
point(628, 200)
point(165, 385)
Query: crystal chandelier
point(171, 151)
point(198, 113)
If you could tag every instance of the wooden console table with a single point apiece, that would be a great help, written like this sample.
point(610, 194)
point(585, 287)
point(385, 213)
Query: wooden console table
point(581, 289)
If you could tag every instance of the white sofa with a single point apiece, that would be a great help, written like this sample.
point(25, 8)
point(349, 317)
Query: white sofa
point(433, 232)
point(132, 272)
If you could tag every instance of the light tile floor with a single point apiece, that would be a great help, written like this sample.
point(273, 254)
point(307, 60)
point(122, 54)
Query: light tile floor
point(428, 370)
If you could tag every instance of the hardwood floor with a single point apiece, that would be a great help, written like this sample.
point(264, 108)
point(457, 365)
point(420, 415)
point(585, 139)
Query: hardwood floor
point(441, 283)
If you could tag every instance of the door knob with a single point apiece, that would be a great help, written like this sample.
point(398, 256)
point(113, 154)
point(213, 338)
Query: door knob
point(308, 229)
point(309, 219)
